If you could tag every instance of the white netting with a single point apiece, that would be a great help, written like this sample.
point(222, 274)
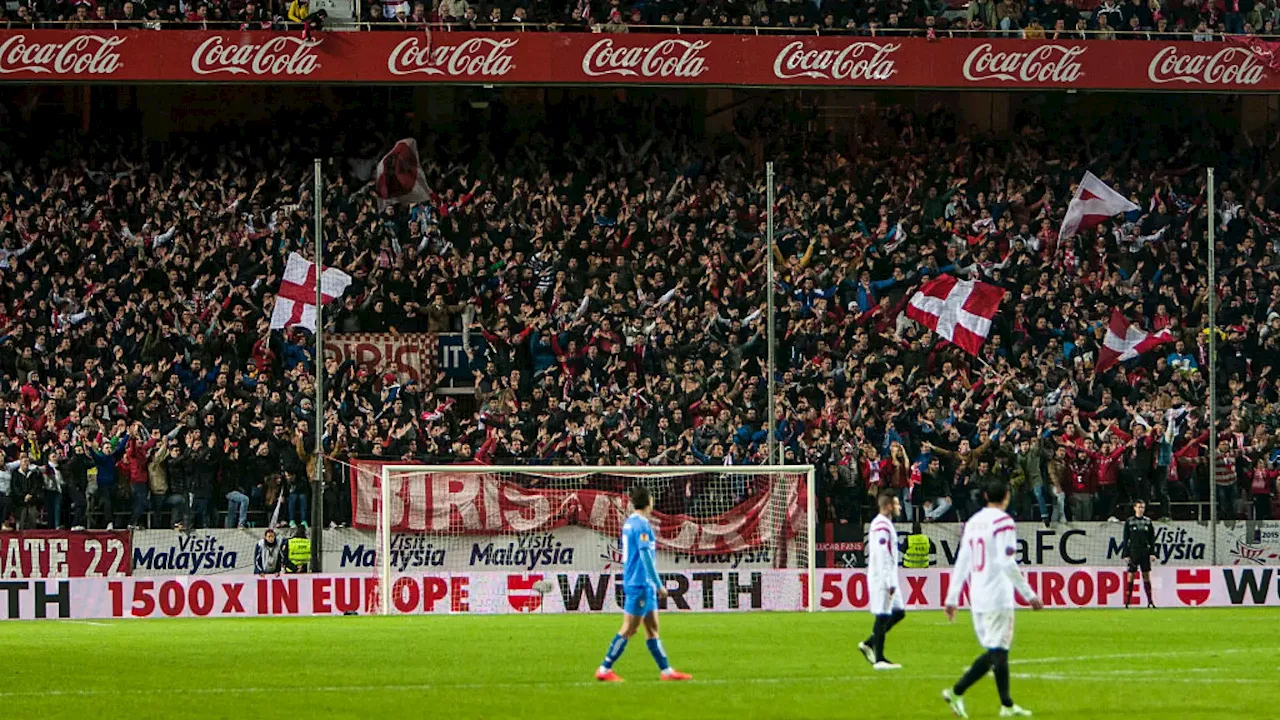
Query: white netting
point(550, 526)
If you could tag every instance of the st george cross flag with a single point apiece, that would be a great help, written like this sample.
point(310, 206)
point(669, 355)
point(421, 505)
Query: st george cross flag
point(296, 300)
point(399, 177)
point(1093, 203)
point(1126, 342)
point(960, 311)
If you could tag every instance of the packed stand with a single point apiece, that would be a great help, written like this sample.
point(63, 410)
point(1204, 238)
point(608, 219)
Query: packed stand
point(607, 271)
point(1057, 20)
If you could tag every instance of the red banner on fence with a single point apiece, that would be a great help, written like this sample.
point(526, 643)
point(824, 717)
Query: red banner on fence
point(582, 58)
point(412, 353)
point(488, 504)
point(57, 554)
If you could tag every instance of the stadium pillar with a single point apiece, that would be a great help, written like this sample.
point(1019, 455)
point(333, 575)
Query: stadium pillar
point(770, 423)
point(1212, 299)
point(317, 482)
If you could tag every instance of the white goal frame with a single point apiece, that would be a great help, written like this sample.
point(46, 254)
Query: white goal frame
point(384, 494)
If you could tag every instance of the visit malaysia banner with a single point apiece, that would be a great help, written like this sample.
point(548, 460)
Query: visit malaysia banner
point(596, 59)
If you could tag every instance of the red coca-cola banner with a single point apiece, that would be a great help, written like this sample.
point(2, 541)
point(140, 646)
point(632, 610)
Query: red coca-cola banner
point(58, 554)
point(581, 58)
point(473, 503)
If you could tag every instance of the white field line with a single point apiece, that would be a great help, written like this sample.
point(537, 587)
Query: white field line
point(1130, 656)
point(436, 687)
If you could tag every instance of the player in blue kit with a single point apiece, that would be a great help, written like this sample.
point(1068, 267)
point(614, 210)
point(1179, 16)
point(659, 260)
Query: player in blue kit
point(642, 588)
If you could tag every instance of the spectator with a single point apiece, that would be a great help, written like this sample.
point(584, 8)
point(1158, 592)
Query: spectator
point(27, 493)
point(298, 11)
point(984, 12)
point(267, 554)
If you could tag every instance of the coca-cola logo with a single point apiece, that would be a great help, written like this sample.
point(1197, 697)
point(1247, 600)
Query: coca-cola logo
point(1044, 64)
point(485, 57)
point(862, 60)
point(281, 55)
point(673, 58)
point(1228, 66)
point(81, 55)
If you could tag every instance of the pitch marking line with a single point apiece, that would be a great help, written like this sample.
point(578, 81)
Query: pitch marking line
point(1129, 656)
point(428, 687)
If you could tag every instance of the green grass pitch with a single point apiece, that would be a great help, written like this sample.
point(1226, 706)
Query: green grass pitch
point(1137, 664)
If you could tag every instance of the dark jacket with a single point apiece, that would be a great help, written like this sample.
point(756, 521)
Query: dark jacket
point(28, 482)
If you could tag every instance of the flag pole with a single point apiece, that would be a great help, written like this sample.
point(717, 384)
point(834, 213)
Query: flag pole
point(1213, 375)
point(771, 442)
point(317, 483)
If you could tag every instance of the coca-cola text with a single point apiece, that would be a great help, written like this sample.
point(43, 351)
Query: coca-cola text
point(476, 57)
point(672, 58)
point(865, 61)
point(1043, 64)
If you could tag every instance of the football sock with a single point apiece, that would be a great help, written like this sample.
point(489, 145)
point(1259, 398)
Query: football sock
point(882, 625)
point(979, 668)
point(895, 618)
point(1000, 668)
point(615, 651)
point(659, 655)
point(875, 633)
point(1146, 585)
point(1128, 589)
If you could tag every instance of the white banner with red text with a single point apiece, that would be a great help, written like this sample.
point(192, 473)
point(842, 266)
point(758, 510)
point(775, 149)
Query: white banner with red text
point(575, 592)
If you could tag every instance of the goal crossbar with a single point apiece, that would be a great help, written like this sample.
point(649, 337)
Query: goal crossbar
point(811, 499)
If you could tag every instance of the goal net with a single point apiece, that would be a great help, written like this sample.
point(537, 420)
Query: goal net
point(504, 539)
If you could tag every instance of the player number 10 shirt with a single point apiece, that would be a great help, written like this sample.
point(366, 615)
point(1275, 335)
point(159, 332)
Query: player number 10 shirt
point(988, 560)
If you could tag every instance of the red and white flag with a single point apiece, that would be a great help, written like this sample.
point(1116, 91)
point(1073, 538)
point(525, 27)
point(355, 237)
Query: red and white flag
point(960, 311)
point(1093, 203)
point(1126, 342)
point(296, 299)
point(399, 177)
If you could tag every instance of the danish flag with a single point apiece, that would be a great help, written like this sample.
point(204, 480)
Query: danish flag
point(1126, 342)
point(399, 177)
point(960, 311)
point(1093, 203)
point(296, 299)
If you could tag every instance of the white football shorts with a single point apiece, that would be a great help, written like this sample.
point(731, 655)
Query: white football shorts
point(881, 604)
point(994, 629)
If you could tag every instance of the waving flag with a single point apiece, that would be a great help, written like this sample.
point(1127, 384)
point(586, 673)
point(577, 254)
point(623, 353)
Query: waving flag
point(399, 177)
point(960, 311)
point(1126, 342)
point(296, 299)
point(1092, 203)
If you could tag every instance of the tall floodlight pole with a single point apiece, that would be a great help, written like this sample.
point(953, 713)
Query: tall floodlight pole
point(317, 483)
point(769, 280)
point(1213, 376)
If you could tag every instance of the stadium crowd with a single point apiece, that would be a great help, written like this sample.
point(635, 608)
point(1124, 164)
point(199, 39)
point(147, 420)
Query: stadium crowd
point(1035, 19)
point(608, 275)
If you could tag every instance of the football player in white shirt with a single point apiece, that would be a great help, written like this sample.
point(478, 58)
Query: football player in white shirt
point(987, 559)
point(882, 582)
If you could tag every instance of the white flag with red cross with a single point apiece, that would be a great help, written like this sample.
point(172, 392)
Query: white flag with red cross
point(959, 311)
point(1094, 202)
point(1125, 341)
point(296, 299)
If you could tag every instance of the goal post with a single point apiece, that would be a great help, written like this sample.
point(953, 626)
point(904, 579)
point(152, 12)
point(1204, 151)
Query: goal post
point(569, 517)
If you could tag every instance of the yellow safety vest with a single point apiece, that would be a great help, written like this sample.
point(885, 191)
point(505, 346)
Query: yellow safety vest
point(299, 551)
point(917, 555)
